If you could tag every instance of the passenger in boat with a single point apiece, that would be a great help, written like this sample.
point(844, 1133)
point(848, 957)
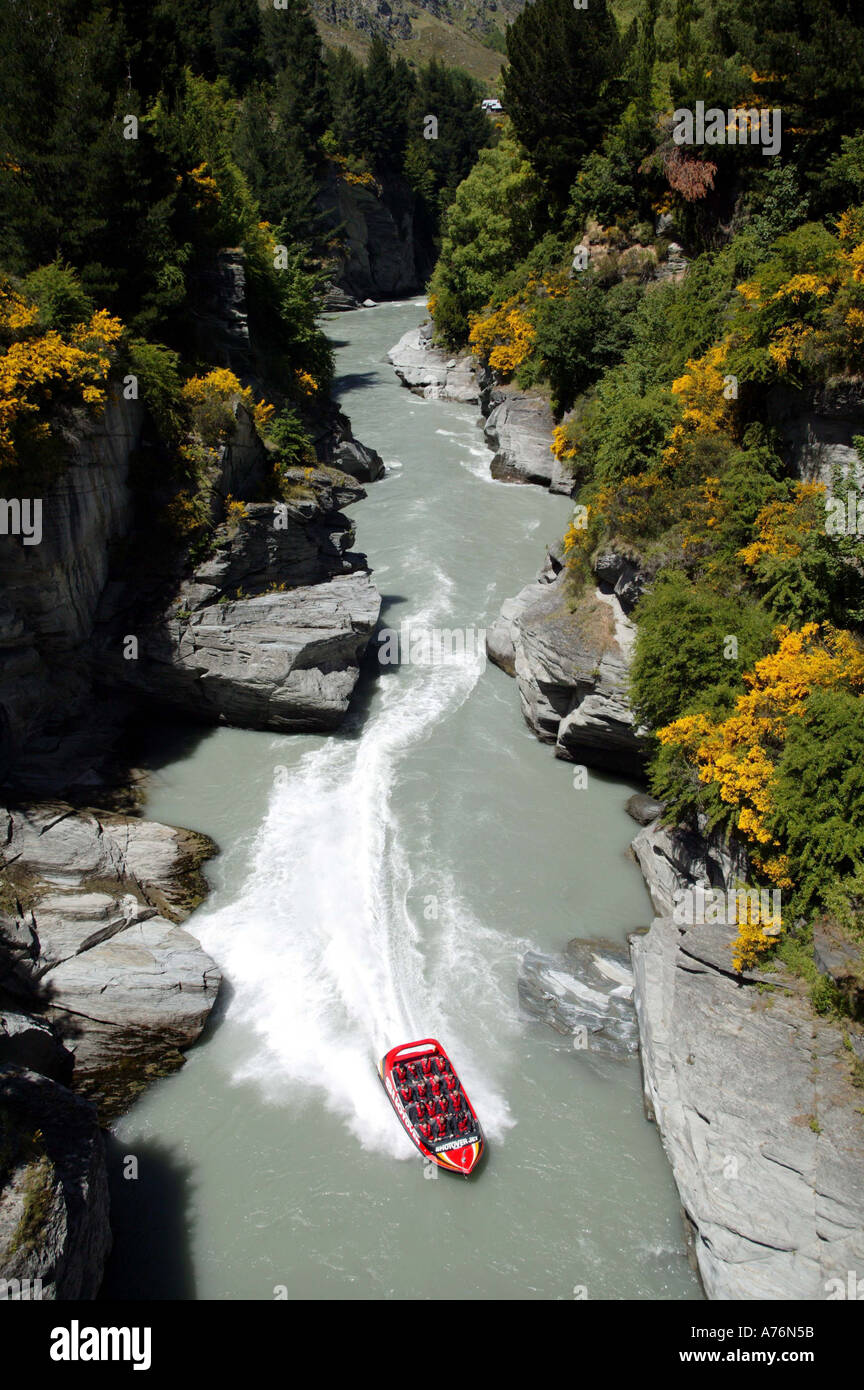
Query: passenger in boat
point(422, 1090)
point(435, 1083)
point(463, 1124)
point(401, 1074)
point(421, 1110)
point(443, 1105)
point(407, 1094)
point(426, 1066)
point(441, 1126)
point(442, 1064)
point(451, 1082)
point(425, 1129)
point(412, 1071)
point(456, 1099)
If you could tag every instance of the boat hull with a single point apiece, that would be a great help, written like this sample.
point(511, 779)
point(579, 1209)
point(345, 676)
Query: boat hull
point(458, 1150)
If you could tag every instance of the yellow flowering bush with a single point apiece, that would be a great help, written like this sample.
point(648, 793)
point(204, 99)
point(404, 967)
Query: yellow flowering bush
point(704, 408)
point(505, 337)
point(39, 368)
point(779, 525)
point(211, 400)
point(738, 756)
point(306, 382)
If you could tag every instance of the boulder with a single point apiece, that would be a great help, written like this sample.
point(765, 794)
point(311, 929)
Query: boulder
point(644, 809)
point(519, 431)
point(585, 992)
point(87, 946)
point(572, 668)
point(432, 374)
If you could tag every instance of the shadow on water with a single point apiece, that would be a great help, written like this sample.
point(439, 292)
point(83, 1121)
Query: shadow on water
point(151, 1219)
point(353, 381)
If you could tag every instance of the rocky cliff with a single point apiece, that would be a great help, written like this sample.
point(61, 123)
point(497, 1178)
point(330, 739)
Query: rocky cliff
point(101, 989)
point(752, 1093)
point(382, 256)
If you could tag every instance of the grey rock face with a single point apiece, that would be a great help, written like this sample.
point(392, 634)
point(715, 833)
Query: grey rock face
point(51, 591)
point(34, 1043)
point(752, 1097)
point(269, 631)
point(835, 955)
point(519, 429)
point(379, 257)
point(622, 576)
point(88, 945)
point(585, 992)
point(572, 670)
point(817, 427)
point(54, 1200)
point(673, 859)
point(432, 374)
point(751, 1092)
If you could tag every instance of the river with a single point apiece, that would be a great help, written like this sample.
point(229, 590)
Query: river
point(378, 885)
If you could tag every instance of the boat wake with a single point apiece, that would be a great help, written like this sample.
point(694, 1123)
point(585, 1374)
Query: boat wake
point(326, 946)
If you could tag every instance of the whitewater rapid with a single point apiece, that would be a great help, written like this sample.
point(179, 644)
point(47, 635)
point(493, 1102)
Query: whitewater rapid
point(335, 962)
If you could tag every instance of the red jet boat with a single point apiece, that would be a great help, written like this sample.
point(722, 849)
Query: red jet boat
point(430, 1100)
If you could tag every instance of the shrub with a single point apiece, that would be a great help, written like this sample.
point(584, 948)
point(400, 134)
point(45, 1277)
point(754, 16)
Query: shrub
point(681, 660)
point(211, 401)
point(157, 369)
point(57, 291)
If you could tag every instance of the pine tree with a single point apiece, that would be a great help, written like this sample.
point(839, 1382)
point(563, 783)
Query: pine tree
point(562, 88)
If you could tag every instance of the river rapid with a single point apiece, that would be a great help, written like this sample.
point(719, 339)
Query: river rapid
point(381, 884)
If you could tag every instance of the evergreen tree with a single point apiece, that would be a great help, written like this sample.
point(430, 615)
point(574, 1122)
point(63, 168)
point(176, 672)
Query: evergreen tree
point(562, 88)
point(302, 93)
point(810, 58)
point(389, 89)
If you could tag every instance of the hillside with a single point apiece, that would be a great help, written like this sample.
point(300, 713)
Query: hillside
point(462, 33)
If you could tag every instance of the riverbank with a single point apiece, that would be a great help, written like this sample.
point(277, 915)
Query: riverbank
point(753, 1093)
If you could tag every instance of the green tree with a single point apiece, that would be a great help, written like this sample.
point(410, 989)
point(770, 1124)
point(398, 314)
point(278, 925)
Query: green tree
point(490, 226)
point(562, 89)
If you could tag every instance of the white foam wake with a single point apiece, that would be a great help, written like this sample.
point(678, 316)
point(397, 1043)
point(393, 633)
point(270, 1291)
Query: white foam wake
point(325, 946)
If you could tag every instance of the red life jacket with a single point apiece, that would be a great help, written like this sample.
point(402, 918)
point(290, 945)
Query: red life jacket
point(452, 1083)
point(436, 1086)
point(441, 1063)
point(442, 1125)
point(457, 1101)
point(412, 1071)
point(463, 1123)
point(442, 1105)
point(425, 1130)
point(426, 1066)
point(421, 1089)
point(400, 1073)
